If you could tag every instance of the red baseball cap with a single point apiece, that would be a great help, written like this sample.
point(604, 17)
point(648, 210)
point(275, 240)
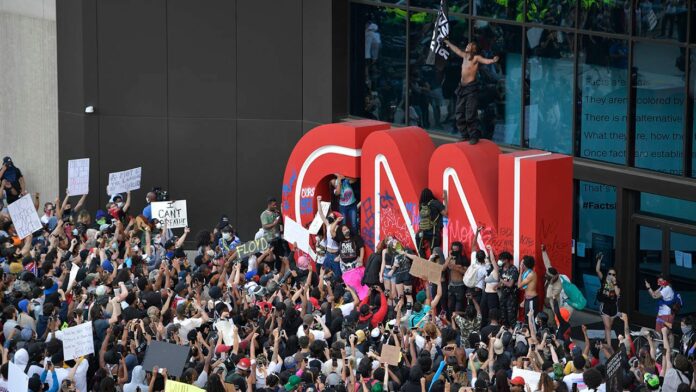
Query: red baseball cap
point(517, 381)
point(244, 364)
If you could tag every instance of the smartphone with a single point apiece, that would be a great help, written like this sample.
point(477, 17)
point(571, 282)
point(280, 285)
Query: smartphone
point(117, 292)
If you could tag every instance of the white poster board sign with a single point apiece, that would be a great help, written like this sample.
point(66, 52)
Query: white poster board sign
point(317, 222)
point(78, 341)
point(124, 181)
point(173, 213)
point(78, 177)
point(17, 379)
point(73, 275)
point(24, 216)
point(225, 328)
point(294, 233)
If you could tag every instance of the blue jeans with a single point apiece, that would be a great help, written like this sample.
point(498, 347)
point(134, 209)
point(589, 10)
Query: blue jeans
point(330, 263)
point(350, 216)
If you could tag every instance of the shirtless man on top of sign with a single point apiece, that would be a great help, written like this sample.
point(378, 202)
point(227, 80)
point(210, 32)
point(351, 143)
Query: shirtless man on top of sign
point(466, 112)
point(527, 281)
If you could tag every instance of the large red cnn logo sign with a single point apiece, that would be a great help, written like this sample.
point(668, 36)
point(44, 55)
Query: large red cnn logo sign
point(522, 199)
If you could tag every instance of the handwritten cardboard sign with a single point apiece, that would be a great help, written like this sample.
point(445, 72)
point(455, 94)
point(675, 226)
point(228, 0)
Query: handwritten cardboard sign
point(317, 221)
point(78, 177)
point(390, 354)
point(251, 247)
point(173, 213)
point(24, 216)
point(78, 341)
point(124, 181)
point(424, 269)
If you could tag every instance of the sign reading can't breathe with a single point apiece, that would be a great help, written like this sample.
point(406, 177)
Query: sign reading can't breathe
point(171, 213)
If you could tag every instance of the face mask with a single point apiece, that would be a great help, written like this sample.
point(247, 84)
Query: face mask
point(158, 226)
point(226, 236)
point(158, 240)
point(74, 231)
point(686, 330)
point(135, 248)
point(119, 204)
point(551, 375)
point(114, 245)
point(500, 263)
point(147, 201)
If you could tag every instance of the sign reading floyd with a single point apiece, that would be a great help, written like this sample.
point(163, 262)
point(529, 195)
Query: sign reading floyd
point(522, 199)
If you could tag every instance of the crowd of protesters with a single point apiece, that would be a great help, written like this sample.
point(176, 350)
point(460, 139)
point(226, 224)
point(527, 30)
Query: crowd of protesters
point(297, 326)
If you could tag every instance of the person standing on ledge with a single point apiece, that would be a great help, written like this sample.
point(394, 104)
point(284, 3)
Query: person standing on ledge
point(466, 112)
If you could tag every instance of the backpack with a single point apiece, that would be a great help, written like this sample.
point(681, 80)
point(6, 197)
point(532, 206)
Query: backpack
point(426, 221)
point(471, 275)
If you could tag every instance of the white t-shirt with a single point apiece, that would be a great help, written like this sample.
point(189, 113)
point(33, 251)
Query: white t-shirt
point(574, 378)
point(318, 335)
point(346, 309)
point(187, 325)
point(602, 388)
point(273, 367)
point(667, 295)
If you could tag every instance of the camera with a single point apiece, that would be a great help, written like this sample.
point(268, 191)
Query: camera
point(162, 195)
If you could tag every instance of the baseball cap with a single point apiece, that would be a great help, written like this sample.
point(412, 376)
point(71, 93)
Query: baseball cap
point(244, 364)
point(293, 382)
point(517, 381)
point(498, 347)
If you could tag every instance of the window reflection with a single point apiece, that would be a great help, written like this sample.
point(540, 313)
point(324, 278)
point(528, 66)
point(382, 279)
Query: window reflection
point(549, 114)
point(649, 265)
point(558, 13)
point(678, 209)
point(431, 87)
point(378, 66)
point(658, 76)
point(603, 84)
point(500, 9)
point(664, 19)
point(609, 16)
point(459, 6)
point(501, 83)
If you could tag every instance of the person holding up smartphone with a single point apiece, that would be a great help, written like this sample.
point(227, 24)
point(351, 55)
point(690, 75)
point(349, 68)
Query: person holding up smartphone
point(608, 297)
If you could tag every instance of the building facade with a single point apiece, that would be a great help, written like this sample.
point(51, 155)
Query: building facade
point(209, 98)
point(610, 83)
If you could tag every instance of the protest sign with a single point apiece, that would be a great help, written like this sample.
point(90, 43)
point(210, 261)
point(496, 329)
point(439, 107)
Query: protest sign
point(17, 379)
point(531, 378)
point(317, 221)
point(424, 269)
point(78, 341)
point(24, 216)
point(294, 233)
point(124, 181)
point(173, 213)
point(78, 177)
point(251, 247)
point(353, 278)
point(390, 354)
point(224, 328)
point(175, 386)
point(166, 356)
point(73, 275)
point(615, 372)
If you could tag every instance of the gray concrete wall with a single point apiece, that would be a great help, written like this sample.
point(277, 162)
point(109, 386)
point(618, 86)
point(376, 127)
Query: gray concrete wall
point(28, 92)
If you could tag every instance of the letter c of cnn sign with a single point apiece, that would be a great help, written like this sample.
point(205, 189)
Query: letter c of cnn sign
point(523, 199)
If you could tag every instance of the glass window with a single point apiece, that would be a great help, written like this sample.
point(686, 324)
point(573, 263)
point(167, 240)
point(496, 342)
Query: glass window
point(459, 6)
point(692, 97)
point(500, 98)
point(664, 19)
point(557, 13)
point(609, 16)
point(431, 87)
point(500, 9)
point(683, 210)
point(378, 63)
point(595, 233)
point(549, 114)
point(603, 85)
point(659, 82)
point(649, 265)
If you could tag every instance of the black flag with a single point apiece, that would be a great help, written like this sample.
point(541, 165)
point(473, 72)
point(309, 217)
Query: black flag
point(441, 31)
